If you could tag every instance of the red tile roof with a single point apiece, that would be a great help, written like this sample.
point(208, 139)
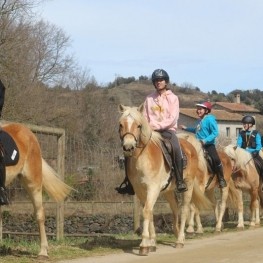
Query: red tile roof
point(221, 115)
point(237, 107)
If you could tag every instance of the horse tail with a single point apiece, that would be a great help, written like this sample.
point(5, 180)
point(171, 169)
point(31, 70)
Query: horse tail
point(233, 195)
point(53, 185)
point(199, 199)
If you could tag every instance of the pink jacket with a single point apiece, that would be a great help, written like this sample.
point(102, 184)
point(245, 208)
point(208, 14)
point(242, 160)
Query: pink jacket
point(162, 111)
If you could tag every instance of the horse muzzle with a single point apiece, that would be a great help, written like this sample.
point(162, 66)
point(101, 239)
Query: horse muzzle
point(128, 150)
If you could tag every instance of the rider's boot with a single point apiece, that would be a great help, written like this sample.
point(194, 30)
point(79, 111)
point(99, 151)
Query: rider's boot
point(220, 176)
point(3, 192)
point(178, 173)
point(126, 186)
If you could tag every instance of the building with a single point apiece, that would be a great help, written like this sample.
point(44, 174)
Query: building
point(229, 124)
point(228, 115)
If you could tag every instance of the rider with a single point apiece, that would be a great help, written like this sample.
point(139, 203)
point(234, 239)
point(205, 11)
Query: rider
point(3, 193)
point(161, 109)
point(206, 132)
point(250, 140)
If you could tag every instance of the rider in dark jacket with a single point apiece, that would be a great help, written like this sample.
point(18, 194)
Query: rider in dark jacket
point(250, 140)
point(3, 193)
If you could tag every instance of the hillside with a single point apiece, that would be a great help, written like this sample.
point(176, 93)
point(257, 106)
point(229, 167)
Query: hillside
point(91, 114)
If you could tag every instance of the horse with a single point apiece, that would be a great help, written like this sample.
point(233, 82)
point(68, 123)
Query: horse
point(246, 179)
point(34, 174)
point(208, 182)
point(150, 175)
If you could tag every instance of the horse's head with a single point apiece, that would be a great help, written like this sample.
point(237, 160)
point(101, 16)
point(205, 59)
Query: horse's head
point(134, 130)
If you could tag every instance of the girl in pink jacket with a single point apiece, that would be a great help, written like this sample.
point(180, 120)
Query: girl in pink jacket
point(161, 109)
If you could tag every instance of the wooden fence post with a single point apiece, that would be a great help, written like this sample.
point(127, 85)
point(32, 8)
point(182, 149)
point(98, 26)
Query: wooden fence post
point(61, 138)
point(61, 172)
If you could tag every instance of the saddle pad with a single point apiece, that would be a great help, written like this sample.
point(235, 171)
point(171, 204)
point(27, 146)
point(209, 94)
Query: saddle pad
point(10, 147)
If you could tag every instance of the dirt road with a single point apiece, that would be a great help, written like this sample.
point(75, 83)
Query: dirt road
point(242, 247)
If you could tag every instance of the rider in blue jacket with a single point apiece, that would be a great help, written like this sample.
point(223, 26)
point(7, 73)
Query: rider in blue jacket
point(206, 132)
point(250, 140)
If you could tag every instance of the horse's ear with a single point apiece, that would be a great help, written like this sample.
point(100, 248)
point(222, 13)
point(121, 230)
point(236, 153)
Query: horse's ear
point(121, 108)
point(141, 108)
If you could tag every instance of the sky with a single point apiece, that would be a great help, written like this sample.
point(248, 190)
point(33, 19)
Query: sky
point(209, 44)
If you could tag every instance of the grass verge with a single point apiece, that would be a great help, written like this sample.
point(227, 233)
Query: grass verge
point(22, 251)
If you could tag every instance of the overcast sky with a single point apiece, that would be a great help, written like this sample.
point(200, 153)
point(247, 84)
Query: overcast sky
point(210, 44)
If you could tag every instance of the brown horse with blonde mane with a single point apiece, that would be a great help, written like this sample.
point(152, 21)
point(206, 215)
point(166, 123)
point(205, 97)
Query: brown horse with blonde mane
point(35, 174)
point(246, 179)
point(149, 174)
point(209, 183)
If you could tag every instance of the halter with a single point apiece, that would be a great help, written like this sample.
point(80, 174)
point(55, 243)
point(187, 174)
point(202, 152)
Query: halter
point(136, 139)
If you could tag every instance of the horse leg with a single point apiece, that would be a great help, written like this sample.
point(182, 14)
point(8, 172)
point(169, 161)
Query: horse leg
point(35, 194)
point(148, 235)
point(152, 237)
point(240, 207)
point(185, 209)
point(254, 208)
point(221, 208)
point(191, 220)
point(172, 200)
point(199, 226)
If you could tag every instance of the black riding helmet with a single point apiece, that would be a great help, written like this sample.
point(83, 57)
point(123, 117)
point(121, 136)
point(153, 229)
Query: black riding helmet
point(248, 119)
point(160, 74)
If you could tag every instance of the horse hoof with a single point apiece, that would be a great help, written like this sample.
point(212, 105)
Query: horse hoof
point(144, 251)
point(42, 257)
point(153, 249)
point(179, 245)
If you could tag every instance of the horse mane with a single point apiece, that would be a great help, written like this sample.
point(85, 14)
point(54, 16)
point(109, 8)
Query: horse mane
point(240, 155)
point(146, 131)
point(190, 137)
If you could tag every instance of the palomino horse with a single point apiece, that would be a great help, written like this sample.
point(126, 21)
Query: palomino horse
point(247, 180)
point(208, 183)
point(149, 174)
point(34, 174)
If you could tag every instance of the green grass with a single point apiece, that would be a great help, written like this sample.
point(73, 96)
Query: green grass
point(13, 251)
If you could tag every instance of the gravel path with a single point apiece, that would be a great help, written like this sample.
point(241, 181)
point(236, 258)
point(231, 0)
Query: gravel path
point(242, 247)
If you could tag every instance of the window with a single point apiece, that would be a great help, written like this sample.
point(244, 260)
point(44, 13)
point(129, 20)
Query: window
point(228, 132)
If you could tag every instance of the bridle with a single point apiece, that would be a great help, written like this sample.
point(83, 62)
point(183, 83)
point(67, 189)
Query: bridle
point(137, 139)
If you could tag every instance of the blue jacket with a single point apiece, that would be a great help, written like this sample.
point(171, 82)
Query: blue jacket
point(206, 129)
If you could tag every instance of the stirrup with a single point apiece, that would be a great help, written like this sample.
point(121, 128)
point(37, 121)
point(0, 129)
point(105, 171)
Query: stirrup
point(125, 188)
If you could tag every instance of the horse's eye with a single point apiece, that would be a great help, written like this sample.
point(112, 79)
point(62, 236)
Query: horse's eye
point(139, 126)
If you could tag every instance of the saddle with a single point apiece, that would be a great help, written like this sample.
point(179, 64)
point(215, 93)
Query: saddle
point(11, 152)
point(167, 153)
